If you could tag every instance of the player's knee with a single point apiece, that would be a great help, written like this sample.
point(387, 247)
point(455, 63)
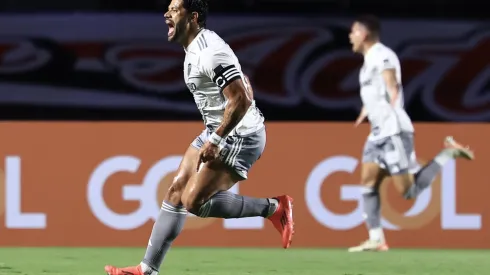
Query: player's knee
point(193, 201)
point(409, 193)
point(405, 186)
point(368, 179)
point(174, 193)
point(368, 182)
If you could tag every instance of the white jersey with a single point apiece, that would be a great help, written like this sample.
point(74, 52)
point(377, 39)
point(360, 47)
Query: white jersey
point(209, 66)
point(385, 119)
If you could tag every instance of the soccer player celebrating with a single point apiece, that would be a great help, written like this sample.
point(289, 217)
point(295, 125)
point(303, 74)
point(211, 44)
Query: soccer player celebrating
point(389, 149)
point(222, 154)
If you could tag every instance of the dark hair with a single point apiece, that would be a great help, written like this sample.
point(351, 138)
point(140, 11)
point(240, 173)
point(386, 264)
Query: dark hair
point(371, 23)
point(199, 6)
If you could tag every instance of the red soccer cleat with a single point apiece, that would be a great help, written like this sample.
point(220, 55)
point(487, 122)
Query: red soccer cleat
point(132, 270)
point(283, 219)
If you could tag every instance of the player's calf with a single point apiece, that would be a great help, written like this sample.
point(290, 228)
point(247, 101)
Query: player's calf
point(227, 205)
point(167, 227)
point(206, 195)
point(425, 176)
point(371, 177)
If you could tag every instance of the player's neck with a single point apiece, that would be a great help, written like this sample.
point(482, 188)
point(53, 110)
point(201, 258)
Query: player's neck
point(192, 35)
point(367, 46)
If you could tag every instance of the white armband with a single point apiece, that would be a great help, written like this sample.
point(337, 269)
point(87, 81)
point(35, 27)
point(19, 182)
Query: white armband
point(215, 139)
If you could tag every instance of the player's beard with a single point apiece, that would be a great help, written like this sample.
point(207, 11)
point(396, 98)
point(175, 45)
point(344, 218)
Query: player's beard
point(178, 32)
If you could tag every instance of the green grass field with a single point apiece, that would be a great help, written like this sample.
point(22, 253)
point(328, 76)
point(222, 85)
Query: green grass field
point(188, 261)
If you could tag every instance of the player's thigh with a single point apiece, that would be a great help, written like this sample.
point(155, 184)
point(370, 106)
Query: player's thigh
point(240, 153)
point(236, 159)
point(372, 172)
point(186, 170)
point(400, 159)
point(372, 175)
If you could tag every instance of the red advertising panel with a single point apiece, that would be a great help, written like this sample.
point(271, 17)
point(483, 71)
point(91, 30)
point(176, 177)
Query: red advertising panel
point(101, 184)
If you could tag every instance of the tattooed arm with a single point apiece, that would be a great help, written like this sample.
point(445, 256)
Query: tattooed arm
point(239, 100)
point(223, 68)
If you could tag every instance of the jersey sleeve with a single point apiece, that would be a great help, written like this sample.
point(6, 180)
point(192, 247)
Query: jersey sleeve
point(387, 62)
point(220, 68)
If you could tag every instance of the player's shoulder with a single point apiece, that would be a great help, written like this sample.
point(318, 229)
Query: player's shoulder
point(217, 50)
point(214, 44)
point(383, 52)
point(380, 49)
point(387, 51)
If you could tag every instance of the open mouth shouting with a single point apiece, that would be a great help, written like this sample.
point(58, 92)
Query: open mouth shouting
point(171, 28)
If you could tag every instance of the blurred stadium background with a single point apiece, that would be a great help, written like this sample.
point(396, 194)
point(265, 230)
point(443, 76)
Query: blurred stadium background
point(87, 85)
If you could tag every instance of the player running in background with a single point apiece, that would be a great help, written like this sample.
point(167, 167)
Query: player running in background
point(223, 153)
point(389, 150)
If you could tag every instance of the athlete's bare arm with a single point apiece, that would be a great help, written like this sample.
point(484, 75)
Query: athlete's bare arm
point(238, 103)
point(248, 87)
point(389, 76)
point(362, 116)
